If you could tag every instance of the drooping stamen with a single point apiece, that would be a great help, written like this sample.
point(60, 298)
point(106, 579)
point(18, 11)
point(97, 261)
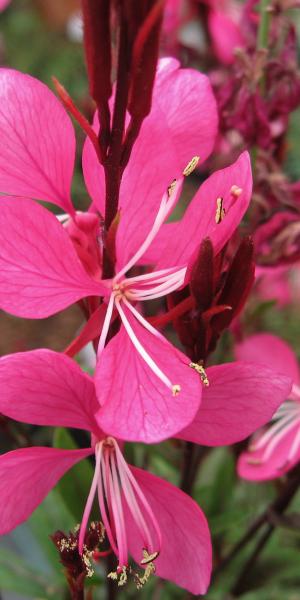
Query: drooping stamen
point(117, 510)
point(103, 496)
point(90, 500)
point(123, 466)
point(175, 388)
point(116, 485)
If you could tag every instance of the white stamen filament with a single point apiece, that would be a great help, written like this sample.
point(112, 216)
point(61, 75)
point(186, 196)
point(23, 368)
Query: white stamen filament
point(158, 276)
point(294, 447)
point(286, 418)
point(89, 502)
point(275, 441)
point(106, 324)
point(63, 218)
point(102, 495)
point(117, 509)
point(166, 206)
point(141, 496)
point(289, 407)
point(116, 485)
point(173, 282)
point(131, 501)
point(138, 346)
point(269, 434)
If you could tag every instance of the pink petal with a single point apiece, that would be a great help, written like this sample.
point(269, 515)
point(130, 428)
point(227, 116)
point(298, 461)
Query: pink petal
point(40, 272)
point(241, 397)
point(27, 476)
point(265, 348)
point(136, 404)
point(185, 556)
point(37, 141)
point(276, 466)
point(43, 387)
point(199, 220)
point(181, 99)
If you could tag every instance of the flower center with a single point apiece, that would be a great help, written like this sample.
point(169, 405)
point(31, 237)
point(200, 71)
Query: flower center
point(121, 500)
point(286, 418)
point(125, 292)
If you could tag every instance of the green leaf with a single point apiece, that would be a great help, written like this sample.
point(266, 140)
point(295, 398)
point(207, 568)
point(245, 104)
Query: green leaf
point(50, 516)
point(218, 498)
point(16, 575)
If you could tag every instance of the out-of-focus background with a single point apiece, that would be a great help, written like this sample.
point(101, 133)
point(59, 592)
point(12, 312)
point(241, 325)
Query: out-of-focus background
point(43, 38)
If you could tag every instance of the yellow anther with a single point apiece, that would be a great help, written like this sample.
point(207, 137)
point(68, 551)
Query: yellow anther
point(176, 389)
point(236, 191)
point(201, 371)
point(141, 580)
point(191, 166)
point(87, 555)
point(119, 576)
point(147, 558)
point(123, 577)
point(220, 212)
point(171, 187)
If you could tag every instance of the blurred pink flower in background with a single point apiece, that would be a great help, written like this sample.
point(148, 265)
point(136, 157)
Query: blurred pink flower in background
point(276, 449)
point(224, 22)
point(4, 4)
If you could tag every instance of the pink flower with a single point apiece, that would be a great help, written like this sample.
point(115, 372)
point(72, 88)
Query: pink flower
point(276, 449)
point(224, 22)
point(41, 272)
point(4, 4)
point(50, 389)
point(280, 284)
point(142, 514)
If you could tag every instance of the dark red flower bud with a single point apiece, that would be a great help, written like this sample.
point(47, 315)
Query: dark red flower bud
point(238, 282)
point(144, 59)
point(97, 41)
point(202, 276)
